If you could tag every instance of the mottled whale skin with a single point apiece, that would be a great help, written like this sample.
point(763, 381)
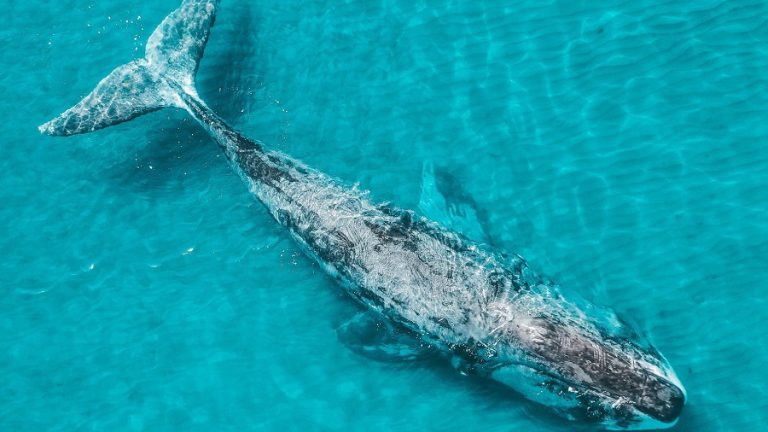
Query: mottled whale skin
point(486, 311)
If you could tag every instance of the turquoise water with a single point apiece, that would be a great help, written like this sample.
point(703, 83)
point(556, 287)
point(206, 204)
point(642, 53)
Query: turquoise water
point(620, 148)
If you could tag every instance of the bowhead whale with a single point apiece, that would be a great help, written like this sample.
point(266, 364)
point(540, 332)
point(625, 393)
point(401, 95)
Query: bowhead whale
point(487, 312)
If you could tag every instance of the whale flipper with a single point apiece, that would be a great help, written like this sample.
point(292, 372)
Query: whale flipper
point(369, 335)
point(144, 85)
point(443, 201)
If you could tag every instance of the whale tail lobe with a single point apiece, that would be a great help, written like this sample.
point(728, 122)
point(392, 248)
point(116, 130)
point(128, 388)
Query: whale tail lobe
point(172, 56)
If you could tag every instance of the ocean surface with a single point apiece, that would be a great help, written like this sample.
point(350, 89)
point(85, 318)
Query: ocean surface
point(620, 147)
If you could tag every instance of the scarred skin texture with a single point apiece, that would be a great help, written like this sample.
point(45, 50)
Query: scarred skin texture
point(490, 312)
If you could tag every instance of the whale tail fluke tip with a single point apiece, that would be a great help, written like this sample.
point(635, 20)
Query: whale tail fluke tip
point(173, 53)
point(127, 92)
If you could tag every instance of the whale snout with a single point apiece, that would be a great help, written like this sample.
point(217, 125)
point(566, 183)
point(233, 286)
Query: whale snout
point(620, 383)
point(648, 397)
point(673, 406)
point(663, 401)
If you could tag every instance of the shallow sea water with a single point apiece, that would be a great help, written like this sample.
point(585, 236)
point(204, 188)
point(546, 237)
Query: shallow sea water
point(620, 148)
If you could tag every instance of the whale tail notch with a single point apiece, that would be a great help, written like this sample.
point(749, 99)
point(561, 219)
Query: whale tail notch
point(172, 56)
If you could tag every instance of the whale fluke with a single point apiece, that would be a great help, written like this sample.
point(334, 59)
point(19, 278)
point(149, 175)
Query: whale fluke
point(172, 56)
point(177, 44)
point(127, 92)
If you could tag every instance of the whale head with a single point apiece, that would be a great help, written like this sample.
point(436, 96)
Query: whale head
point(587, 372)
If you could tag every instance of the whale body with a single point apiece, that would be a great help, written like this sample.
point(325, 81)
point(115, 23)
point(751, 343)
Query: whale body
point(486, 311)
